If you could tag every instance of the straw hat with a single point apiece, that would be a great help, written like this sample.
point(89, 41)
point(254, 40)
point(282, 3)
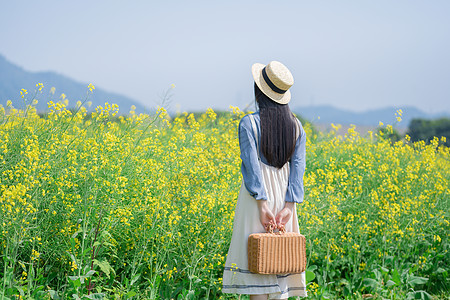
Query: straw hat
point(274, 80)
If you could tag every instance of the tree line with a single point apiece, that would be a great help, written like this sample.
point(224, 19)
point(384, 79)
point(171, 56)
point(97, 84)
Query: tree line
point(423, 130)
point(426, 130)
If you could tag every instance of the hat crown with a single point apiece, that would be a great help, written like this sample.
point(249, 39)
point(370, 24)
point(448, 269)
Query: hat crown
point(279, 75)
point(274, 80)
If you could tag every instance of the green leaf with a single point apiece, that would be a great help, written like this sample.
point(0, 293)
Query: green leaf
point(389, 259)
point(370, 282)
point(346, 290)
point(312, 268)
point(422, 295)
point(415, 280)
point(343, 281)
point(20, 291)
point(134, 279)
point(377, 274)
point(75, 235)
point(310, 276)
point(39, 289)
point(73, 278)
point(90, 273)
point(390, 283)
point(87, 250)
point(405, 273)
point(105, 233)
point(190, 295)
point(326, 296)
point(76, 282)
point(396, 277)
point(53, 295)
point(410, 295)
point(130, 294)
point(95, 296)
point(104, 266)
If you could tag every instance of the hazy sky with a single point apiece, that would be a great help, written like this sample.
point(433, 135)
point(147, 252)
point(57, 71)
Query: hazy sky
point(351, 54)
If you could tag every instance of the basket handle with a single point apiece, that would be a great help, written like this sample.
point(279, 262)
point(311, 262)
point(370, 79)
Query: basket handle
point(282, 229)
point(271, 226)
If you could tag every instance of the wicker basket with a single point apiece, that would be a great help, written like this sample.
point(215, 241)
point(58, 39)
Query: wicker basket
point(276, 253)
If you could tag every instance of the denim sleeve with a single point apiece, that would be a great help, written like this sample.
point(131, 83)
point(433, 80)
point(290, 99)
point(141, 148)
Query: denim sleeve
point(295, 190)
point(251, 170)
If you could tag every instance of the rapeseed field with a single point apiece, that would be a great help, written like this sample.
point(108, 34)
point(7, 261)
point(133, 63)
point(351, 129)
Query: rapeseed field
point(109, 206)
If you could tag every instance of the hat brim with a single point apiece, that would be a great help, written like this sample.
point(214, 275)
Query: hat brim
point(265, 88)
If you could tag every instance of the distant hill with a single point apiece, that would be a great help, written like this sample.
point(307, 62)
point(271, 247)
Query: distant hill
point(13, 78)
point(328, 114)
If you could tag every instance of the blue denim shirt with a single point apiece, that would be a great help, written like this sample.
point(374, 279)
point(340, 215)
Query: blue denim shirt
point(251, 170)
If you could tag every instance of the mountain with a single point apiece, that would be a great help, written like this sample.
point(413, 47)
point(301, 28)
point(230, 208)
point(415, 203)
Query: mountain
point(326, 114)
point(13, 78)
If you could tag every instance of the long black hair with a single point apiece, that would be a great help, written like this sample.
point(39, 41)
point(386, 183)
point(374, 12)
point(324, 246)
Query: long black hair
point(278, 130)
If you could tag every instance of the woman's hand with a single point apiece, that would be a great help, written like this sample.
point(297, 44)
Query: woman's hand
point(284, 215)
point(265, 214)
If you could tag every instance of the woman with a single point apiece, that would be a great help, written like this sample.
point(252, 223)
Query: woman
point(272, 143)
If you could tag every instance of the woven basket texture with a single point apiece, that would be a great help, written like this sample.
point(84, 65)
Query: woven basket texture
point(273, 253)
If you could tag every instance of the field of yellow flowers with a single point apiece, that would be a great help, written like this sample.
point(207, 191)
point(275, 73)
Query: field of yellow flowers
point(141, 207)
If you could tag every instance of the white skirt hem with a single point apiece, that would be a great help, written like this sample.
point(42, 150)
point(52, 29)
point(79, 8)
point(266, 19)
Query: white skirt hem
point(237, 279)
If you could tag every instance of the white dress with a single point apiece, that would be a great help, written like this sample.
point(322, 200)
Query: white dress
point(237, 278)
